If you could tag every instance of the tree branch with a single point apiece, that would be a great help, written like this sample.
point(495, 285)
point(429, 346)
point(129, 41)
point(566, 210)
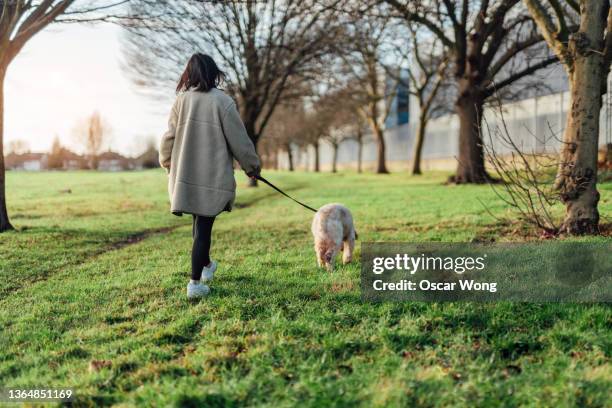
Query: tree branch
point(546, 25)
point(495, 87)
point(410, 16)
point(511, 53)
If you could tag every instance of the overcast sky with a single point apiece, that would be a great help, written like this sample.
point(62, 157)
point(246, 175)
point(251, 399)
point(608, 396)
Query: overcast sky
point(67, 72)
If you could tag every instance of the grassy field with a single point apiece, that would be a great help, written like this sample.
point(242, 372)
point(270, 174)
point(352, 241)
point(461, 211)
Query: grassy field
point(97, 277)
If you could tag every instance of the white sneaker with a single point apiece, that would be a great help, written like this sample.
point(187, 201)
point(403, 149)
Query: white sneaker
point(197, 290)
point(208, 272)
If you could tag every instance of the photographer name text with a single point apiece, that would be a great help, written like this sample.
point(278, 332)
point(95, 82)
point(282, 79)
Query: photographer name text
point(413, 264)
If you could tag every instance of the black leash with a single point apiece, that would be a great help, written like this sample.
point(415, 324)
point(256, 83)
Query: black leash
point(260, 178)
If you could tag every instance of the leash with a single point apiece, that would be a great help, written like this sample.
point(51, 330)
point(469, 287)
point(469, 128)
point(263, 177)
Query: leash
point(263, 180)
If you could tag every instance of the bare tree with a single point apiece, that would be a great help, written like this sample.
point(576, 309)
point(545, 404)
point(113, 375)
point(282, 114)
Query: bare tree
point(494, 44)
point(368, 41)
point(585, 50)
point(55, 159)
point(287, 129)
point(358, 135)
point(350, 119)
point(336, 117)
point(335, 136)
point(526, 180)
point(426, 78)
point(315, 127)
point(18, 146)
point(268, 152)
point(20, 20)
point(265, 47)
point(94, 134)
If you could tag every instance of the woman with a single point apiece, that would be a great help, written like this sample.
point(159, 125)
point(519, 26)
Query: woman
point(205, 133)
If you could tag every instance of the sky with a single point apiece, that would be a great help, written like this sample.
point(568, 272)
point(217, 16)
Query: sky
point(67, 72)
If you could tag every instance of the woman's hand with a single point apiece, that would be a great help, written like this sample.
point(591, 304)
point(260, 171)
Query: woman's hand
point(254, 174)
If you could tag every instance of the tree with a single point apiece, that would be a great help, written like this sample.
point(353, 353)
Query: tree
point(359, 139)
point(265, 47)
point(287, 128)
point(313, 130)
point(149, 158)
point(309, 135)
point(55, 159)
point(494, 44)
point(93, 133)
point(20, 20)
point(426, 78)
point(367, 43)
point(335, 137)
point(337, 115)
point(585, 50)
point(18, 146)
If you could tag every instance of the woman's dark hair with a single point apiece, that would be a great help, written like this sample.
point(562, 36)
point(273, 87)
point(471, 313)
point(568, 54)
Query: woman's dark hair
point(201, 74)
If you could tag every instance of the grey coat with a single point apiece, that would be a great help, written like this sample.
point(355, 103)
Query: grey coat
point(205, 133)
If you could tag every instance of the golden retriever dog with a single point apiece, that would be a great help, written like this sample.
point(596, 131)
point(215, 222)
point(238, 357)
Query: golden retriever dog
point(333, 231)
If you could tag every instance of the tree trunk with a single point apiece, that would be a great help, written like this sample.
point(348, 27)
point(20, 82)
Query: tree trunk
point(5, 224)
point(316, 149)
point(577, 175)
point(250, 128)
point(418, 145)
point(471, 165)
point(94, 162)
point(249, 117)
point(290, 157)
point(359, 155)
point(381, 161)
point(276, 160)
point(335, 159)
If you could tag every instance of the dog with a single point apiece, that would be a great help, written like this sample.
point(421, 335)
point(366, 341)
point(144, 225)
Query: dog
point(333, 231)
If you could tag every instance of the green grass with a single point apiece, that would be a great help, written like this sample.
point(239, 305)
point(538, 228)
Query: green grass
point(100, 274)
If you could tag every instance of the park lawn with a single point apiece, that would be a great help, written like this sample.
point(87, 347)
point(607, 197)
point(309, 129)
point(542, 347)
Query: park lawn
point(99, 274)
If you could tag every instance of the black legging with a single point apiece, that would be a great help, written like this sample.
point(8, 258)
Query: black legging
point(200, 252)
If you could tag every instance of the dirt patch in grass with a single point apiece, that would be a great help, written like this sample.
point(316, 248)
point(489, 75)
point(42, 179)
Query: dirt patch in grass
point(135, 238)
point(507, 230)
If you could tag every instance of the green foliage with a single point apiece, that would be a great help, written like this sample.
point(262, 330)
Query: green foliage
point(100, 274)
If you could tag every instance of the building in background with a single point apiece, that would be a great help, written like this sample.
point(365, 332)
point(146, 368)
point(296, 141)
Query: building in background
point(26, 161)
point(399, 113)
point(535, 119)
point(68, 160)
point(113, 161)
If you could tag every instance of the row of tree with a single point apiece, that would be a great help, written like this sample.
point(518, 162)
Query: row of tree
point(316, 51)
point(277, 51)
